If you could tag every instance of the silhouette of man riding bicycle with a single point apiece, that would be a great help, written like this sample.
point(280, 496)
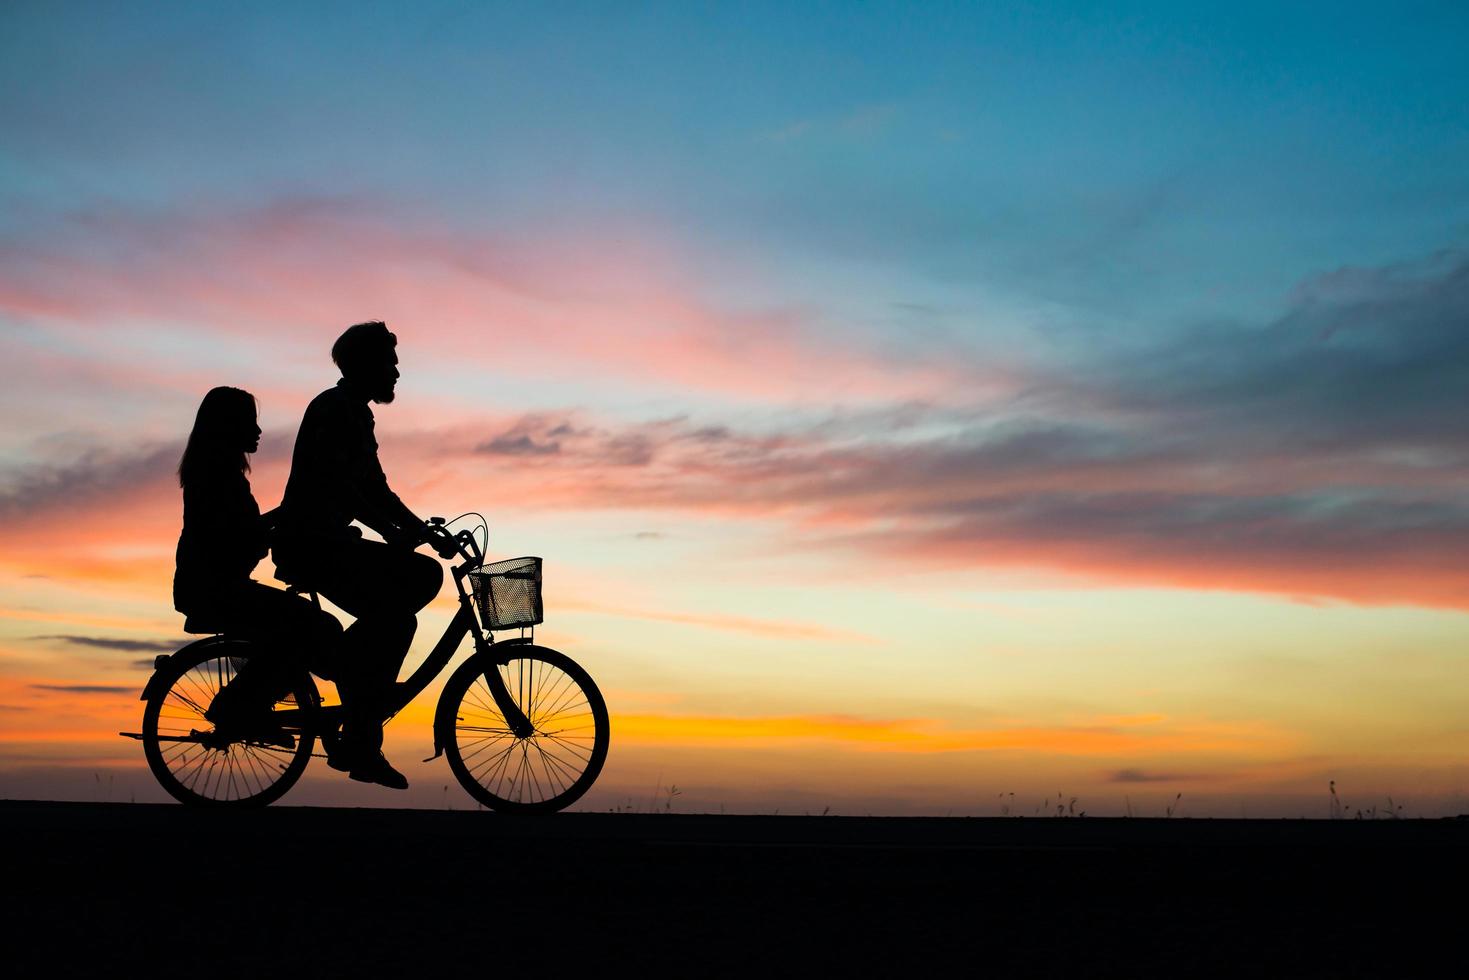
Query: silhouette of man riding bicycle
point(233, 719)
point(335, 480)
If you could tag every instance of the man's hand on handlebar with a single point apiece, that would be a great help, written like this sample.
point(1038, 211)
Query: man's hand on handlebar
point(438, 536)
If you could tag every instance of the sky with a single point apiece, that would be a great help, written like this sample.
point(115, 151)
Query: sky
point(940, 409)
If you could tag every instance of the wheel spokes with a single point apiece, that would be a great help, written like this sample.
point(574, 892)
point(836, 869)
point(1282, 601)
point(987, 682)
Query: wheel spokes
point(215, 768)
point(544, 765)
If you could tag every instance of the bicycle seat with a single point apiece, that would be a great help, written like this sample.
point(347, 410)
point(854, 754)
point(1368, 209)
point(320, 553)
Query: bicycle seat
point(202, 624)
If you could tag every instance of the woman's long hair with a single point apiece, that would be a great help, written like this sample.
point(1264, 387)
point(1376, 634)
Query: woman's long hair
point(214, 443)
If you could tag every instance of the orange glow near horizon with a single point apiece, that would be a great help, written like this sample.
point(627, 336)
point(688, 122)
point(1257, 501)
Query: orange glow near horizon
point(930, 736)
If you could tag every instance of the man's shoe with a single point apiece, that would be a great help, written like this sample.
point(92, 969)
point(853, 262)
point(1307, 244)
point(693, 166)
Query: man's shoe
point(345, 750)
point(375, 769)
point(338, 756)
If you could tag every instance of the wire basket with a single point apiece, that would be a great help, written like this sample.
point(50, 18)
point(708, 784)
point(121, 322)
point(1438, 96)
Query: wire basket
point(509, 593)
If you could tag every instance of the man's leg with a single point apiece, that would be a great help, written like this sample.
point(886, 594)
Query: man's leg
point(383, 586)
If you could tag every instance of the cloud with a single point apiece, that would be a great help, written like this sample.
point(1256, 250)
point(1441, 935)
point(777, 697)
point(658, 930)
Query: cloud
point(1097, 500)
point(1092, 501)
point(1142, 776)
point(85, 688)
point(1321, 454)
point(124, 644)
point(1364, 360)
point(517, 445)
point(609, 304)
point(90, 478)
point(81, 473)
point(587, 445)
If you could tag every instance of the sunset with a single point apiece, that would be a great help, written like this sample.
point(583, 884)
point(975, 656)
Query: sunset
point(915, 415)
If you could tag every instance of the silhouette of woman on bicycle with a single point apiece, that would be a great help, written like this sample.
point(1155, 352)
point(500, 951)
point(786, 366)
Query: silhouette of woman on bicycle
point(223, 538)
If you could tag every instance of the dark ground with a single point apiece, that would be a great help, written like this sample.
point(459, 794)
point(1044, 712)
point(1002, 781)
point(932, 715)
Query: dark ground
point(162, 890)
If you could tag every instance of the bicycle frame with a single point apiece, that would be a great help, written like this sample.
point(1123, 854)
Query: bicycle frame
point(466, 620)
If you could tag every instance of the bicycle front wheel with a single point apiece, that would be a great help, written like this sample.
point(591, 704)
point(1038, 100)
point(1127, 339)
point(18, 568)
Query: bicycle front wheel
point(552, 767)
point(201, 766)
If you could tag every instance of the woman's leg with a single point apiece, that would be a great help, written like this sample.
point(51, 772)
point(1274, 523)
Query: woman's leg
point(289, 631)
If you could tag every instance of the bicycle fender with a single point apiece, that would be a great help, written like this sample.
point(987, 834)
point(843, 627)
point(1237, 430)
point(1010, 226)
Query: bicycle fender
point(156, 679)
point(163, 660)
point(443, 724)
point(444, 716)
point(444, 712)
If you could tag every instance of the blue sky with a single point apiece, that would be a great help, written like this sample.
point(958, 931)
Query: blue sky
point(1140, 161)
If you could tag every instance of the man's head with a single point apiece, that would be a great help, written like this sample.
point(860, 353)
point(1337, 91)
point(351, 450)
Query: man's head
point(366, 354)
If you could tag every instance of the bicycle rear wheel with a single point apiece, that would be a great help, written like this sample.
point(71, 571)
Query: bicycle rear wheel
point(198, 765)
point(550, 769)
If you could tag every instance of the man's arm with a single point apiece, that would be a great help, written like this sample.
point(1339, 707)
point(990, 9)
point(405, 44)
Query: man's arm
point(382, 510)
point(337, 457)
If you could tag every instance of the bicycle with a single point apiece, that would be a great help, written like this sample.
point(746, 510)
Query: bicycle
point(524, 728)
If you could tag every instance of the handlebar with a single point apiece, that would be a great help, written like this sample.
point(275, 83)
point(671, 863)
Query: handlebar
point(451, 545)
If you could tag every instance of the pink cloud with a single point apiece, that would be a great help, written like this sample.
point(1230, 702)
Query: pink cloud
point(608, 305)
point(946, 502)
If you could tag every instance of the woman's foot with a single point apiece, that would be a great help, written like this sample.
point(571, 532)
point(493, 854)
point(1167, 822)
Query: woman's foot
point(375, 769)
point(238, 716)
